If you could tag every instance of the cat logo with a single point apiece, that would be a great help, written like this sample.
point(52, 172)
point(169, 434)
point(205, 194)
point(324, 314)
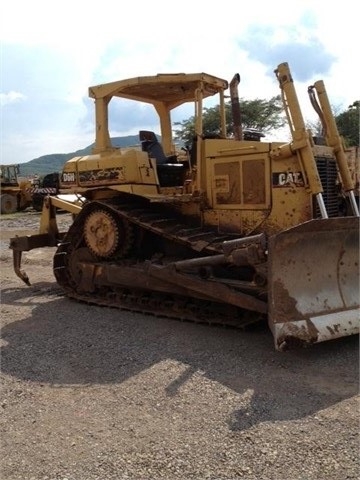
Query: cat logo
point(288, 179)
point(68, 177)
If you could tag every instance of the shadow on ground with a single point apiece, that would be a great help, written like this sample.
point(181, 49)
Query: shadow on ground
point(66, 343)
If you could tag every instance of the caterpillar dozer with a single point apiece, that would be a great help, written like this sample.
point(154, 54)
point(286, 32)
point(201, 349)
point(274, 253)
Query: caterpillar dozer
point(237, 232)
point(15, 194)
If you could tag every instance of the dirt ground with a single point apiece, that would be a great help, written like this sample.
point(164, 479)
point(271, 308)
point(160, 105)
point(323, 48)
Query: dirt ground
point(97, 393)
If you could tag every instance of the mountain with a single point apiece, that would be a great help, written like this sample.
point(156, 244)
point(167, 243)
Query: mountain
point(54, 162)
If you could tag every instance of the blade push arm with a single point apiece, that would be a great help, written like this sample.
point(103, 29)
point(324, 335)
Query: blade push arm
point(301, 143)
point(332, 137)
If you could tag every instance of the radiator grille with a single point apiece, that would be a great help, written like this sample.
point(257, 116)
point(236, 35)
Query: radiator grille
point(328, 175)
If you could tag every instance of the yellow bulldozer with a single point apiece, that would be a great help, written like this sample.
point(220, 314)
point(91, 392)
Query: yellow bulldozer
point(15, 193)
point(240, 231)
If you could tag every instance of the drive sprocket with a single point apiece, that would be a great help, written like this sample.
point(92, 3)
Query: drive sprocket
point(101, 233)
point(107, 234)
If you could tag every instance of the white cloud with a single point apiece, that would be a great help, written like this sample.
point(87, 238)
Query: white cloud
point(52, 53)
point(10, 97)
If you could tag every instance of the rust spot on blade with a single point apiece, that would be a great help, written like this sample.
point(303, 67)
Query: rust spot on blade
point(284, 305)
point(295, 334)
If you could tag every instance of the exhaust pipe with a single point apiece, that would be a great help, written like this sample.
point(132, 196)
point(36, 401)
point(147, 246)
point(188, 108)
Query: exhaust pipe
point(235, 107)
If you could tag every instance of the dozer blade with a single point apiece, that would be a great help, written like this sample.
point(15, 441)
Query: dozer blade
point(314, 282)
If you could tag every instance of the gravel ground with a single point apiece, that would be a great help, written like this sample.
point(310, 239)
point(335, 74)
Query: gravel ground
point(95, 393)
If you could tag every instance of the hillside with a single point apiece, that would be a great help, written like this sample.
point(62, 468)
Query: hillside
point(54, 162)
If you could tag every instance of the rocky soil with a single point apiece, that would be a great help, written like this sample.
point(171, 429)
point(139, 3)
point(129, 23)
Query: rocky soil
point(95, 393)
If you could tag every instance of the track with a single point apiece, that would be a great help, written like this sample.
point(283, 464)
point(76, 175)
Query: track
point(125, 282)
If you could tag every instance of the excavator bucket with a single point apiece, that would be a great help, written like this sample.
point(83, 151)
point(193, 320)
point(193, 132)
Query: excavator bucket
point(314, 282)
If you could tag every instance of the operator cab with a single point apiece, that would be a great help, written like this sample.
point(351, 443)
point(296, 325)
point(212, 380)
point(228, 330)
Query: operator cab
point(171, 173)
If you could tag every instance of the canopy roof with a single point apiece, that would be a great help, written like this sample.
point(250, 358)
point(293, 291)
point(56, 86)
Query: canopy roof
point(169, 89)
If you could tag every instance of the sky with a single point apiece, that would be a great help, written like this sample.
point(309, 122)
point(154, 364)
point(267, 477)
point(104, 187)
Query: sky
point(51, 52)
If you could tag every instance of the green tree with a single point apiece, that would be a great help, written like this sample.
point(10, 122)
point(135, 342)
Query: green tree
point(260, 114)
point(348, 123)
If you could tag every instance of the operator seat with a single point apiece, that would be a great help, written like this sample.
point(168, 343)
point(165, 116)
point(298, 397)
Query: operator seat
point(170, 172)
point(151, 145)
